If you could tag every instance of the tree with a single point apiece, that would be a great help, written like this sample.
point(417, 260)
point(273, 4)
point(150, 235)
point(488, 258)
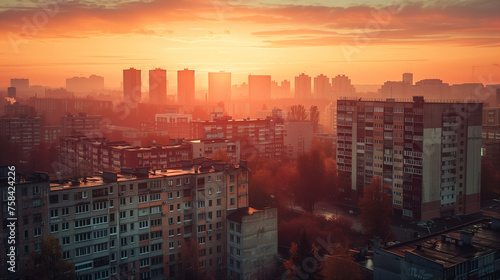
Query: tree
point(335, 229)
point(311, 184)
point(260, 188)
point(340, 264)
point(48, 264)
point(314, 117)
point(304, 262)
point(297, 113)
point(375, 210)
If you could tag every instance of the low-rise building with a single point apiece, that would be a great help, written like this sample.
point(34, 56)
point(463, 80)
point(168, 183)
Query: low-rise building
point(470, 251)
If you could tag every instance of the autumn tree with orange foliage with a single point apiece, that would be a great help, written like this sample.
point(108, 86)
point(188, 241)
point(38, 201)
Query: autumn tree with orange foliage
point(48, 263)
point(340, 264)
point(304, 262)
point(313, 181)
point(376, 208)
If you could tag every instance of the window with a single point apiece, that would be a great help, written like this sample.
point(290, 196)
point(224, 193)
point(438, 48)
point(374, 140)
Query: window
point(171, 245)
point(54, 213)
point(65, 255)
point(143, 224)
point(65, 226)
point(219, 201)
point(231, 201)
point(54, 228)
point(82, 209)
point(155, 196)
point(64, 211)
point(201, 240)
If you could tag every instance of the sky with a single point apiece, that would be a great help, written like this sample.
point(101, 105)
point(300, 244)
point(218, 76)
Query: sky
point(370, 41)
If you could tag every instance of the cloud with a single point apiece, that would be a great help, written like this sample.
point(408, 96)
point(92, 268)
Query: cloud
point(465, 23)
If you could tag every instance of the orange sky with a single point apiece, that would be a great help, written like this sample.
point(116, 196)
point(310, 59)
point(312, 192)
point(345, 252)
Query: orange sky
point(456, 41)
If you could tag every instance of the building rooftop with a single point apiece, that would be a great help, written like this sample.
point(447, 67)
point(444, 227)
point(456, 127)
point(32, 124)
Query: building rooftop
point(238, 215)
point(143, 173)
point(454, 246)
point(408, 100)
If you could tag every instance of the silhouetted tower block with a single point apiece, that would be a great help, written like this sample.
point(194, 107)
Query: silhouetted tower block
point(408, 78)
point(219, 86)
point(132, 87)
point(11, 92)
point(259, 87)
point(158, 86)
point(185, 86)
point(302, 86)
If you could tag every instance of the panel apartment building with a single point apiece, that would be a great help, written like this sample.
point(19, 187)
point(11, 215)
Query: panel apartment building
point(136, 226)
point(258, 137)
point(427, 153)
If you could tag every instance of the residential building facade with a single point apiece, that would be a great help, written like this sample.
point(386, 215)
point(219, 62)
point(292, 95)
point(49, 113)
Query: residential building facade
point(427, 153)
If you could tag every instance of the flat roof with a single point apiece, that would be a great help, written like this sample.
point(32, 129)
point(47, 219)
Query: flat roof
point(238, 215)
point(446, 248)
point(97, 180)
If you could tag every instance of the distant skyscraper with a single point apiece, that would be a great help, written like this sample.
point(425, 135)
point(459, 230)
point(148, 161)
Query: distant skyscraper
point(132, 86)
point(84, 84)
point(21, 85)
point(219, 86)
point(322, 86)
point(302, 86)
point(341, 84)
point(285, 89)
point(259, 87)
point(11, 92)
point(158, 86)
point(408, 78)
point(185, 87)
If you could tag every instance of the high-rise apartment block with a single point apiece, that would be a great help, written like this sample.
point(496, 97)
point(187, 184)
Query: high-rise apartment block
point(22, 85)
point(258, 137)
point(303, 86)
point(259, 87)
point(158, 86)
point(426, 153)
point(132, 87)
point(341, 84)
point(322, 87)
point(83, 84)
point(169, 224)
point(219, 86)
point(25, 131)
point(185, 87)
point(83, 124)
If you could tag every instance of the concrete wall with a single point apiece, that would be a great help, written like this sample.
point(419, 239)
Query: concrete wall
point(259, 243)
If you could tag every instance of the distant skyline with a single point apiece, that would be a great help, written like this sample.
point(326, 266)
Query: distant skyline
point(369, 41)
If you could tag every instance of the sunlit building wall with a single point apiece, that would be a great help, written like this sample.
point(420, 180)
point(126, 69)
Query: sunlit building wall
point(185, 87)
point(132, 86)
point(158, 86)
point(427, 154)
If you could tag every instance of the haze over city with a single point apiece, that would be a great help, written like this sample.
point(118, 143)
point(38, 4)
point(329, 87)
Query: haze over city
point(456, 41)
point(235, 139)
